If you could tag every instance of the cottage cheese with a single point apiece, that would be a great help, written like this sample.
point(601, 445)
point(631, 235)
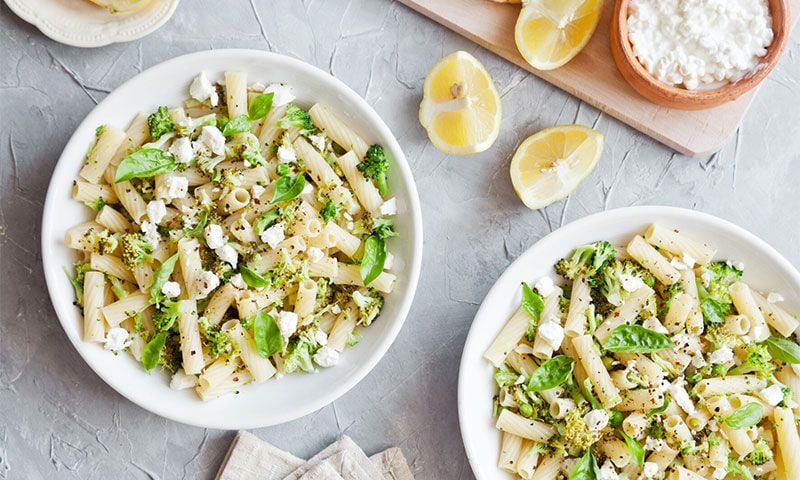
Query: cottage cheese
point(699, 43)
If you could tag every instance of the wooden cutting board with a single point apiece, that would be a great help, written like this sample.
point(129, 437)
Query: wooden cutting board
point(593, 77)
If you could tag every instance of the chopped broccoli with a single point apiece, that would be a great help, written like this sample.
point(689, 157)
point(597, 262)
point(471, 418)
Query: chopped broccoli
point(715, 302)
point(77, 281)
point(96, 204)
point(171, 358)
point(102, 241)
point(374, 166)
point(353, 338)
point(135, 249)
point(298, 356)
point(576, 432)
point(383, 228)
point(248, 149)
point(165, 316)
point(669, 294)
point(758, 361)
point(368, 306)
point(504, 377)
point(329, 211)
point(656, 429)
point(586, 260)
point(297, 117)
point(609, 280)
point(723, 273)
point(761, 454)
point(160, 122)
point(217, 342)
point(189, 126)
point(207, 163)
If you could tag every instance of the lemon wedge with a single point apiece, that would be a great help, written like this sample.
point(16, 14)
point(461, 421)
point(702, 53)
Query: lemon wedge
point(460, 106)
point(122, 6)
point(550, 164)
point(549, 33)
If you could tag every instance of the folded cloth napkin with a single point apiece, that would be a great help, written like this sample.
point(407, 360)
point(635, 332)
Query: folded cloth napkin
point(253, 459)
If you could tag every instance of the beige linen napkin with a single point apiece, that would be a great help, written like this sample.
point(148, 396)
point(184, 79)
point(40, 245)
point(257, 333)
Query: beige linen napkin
point(346, 457)
point(250, 458)
point(392, 464)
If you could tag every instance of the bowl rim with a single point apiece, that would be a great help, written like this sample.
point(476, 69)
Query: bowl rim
point(63, 169)
point(468, 355)
point(620, 44)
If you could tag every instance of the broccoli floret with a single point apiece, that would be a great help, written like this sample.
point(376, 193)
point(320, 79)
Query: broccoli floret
point(374, 166)
point(758, 361)
point(207, 163)
point(656, 429)
point(329, 211)
point(723, 273)
point(217, 342)
point(609, 280)
point(368, 306)
point(586, 260)
point(171, 358)
point(189, 126)
point(576, 432)
point(135, 249)
point(77, 280)
point(248, 149)
point(715, 302)
point(96, 204)
point(297, 117)
point(298, 356)
point(762, 453)
point(668, 295)
point(160, 122)
point(505, 377)
point(383, 228)
point(165, 316)
point(601, 304)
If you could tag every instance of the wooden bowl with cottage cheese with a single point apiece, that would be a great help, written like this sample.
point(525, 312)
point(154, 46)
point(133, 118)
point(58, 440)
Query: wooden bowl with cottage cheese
point(692, 60)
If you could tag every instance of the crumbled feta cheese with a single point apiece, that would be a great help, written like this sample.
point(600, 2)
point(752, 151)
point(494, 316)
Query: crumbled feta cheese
point(735, 264)
point(151, 235)
point(653, 444)
point(238, 282)
point(607, 471)
point(630, 283)
point(722, 355)
point(308, 189)
point(286, 154)
point(336, 309)
point(156, 211)
point(117, 339)
point(774, 297)
point(689, 260)
point(360, 299)
point(281, 94)
point(389, 262)
point(257, 190)
point(213, 235)
point(698, 361)
point(719, 473)
point(206, 283)
point(315, 254)
point(287, 323)
point(202, 90)
point(227, 254)
point(318, 140)
point(544, 286)
point(678, 392)
point(182, 150)
point(326, 357)
point(773, 394)
point(389, 207)
point(654, 324)
point(273, 235)
point(596, 419)
point(171, 289)
point(257, 87)
point(213, 139)
point(650, 469)
point(321, 337)
point(551, 332)
point(177, 186)
point(677, 264)
point(759, 333)
point(181, 381)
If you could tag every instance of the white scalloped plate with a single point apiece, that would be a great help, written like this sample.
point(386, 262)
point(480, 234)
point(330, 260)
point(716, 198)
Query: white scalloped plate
point(81, 23)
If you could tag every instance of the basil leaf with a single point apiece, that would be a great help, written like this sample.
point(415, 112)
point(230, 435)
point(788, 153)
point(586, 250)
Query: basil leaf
point(373, 259)
point(252, 279)
point(161, 277)
point(586, 468)
point(783, 349)
point(636, 449)
point(636, 339)
point(145, 163)
point(746, 416)
point(551, 373)
point(266, 334)
point(265, 221)
point(151, 353)
point(197, 230)
point(663, 408)
point(260, 106)
point(238, 124)
point(533, 305)
point(288, 187)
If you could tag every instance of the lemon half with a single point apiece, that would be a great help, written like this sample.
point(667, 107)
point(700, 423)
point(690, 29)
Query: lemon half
point(549, 33)
point(122, 6)
point(460, 106)
point(549, 165)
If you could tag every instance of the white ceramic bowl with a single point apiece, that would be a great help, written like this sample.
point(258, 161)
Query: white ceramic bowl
point(81, 23)
point(765, 269)
point(274, 401)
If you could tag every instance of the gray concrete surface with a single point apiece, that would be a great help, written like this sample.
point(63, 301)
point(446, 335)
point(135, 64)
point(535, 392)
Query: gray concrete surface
point(59, 420)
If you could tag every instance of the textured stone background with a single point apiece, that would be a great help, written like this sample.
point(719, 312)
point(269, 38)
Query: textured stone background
point(59, 420)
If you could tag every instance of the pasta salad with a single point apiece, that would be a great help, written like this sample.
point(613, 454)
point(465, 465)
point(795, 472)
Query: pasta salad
point(652, 361)
point(237, 237)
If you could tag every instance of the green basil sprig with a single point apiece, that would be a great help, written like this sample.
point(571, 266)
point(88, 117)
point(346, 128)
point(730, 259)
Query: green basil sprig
point(586, 468)
point(746, 416)
point(551, 373)
point(636, 449)
point(253, 279)
point(145, 163)
point(636, 339)
point(288, 187)
point(151, 352)
point(197, 230)
point(373, 260)
point(238, 124)
point(783, 349)
point(266, 335)
point(533, 305)
point(260, 106)
point(161, 277)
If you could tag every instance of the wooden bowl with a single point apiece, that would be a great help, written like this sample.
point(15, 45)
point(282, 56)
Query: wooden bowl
point(676, 97)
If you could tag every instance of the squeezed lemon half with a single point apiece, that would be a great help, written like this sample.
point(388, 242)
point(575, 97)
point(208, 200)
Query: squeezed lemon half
point(122, 6)
point(460, 106)
point(549, 165)
point(549, 33)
